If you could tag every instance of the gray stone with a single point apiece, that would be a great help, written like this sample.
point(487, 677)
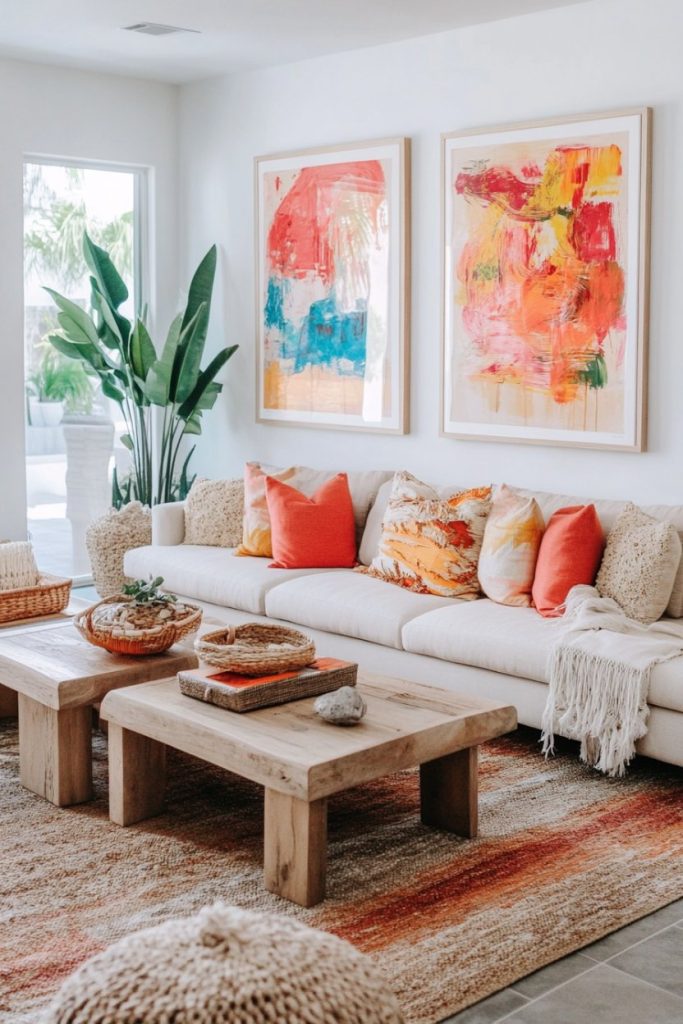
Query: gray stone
point(344, 706)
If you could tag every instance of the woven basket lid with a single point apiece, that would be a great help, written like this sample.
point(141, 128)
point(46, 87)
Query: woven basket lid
point(227, 966)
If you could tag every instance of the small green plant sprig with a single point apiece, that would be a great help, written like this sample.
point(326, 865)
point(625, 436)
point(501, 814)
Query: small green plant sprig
point(147, 592)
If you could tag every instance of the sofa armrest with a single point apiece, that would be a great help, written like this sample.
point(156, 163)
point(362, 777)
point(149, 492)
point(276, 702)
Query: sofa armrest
point(168, 523)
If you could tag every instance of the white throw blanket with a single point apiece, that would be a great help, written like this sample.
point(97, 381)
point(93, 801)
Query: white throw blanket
point(600, 676)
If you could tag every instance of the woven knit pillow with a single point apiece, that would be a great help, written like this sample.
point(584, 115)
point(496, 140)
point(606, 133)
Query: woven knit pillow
point(214, 510)
point(430, 544)
point(640, 564)
point(511, 541)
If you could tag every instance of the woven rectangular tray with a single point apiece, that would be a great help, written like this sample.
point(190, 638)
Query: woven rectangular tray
point(246, 693)
point(49, 597)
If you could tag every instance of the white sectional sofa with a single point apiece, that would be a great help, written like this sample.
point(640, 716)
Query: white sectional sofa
point(475, 647)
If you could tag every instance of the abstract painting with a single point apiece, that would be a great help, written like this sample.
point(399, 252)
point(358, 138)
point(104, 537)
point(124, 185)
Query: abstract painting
point(332, 263)
point(545, 233)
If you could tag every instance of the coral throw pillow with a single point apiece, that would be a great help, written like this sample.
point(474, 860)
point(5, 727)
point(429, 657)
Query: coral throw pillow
point(570, 554)
point(312, 533)
point(512, 538)
point(429, 543)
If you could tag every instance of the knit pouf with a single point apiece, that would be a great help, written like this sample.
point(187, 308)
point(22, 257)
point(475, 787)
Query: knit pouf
point(227, 966)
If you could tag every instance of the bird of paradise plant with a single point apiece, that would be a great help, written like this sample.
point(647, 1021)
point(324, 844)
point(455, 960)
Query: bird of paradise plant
point(123, 356)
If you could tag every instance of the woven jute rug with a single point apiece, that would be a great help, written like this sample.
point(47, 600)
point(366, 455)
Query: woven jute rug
point(564, 856)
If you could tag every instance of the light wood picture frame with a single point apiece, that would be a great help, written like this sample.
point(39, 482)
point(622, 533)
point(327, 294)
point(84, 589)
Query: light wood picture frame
point(333, 287)
point(545, 289)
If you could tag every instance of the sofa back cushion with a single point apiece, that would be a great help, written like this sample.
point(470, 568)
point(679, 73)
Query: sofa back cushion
point(608, 512)
point(372, 534)
point(316, 532)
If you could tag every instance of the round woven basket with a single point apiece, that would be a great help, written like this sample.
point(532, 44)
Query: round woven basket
point(151, 640)
point(255, 649)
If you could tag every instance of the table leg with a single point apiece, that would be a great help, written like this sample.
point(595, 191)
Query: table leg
point(448, 792)
point(295, 848)
point(55, 751)
point(9, 702)
point(137, 776)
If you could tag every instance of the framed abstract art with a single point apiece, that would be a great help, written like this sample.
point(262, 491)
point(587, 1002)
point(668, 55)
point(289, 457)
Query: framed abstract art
point(332, 287)
point(545, 281)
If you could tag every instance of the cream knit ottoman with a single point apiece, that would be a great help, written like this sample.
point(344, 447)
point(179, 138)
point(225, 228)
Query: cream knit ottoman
point(226, 966)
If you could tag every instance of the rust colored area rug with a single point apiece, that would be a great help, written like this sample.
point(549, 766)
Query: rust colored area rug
point(564, 857)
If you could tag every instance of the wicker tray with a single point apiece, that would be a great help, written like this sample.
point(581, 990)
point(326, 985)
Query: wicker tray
point(239, 693)
point(49, 597)
point(152, 640)
point(255, 649)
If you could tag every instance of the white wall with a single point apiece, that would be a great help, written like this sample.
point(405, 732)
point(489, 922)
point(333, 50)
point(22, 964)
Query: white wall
point(71, 114)
point(598, 56)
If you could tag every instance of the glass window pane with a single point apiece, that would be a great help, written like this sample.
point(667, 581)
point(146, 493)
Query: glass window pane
point(71, 427)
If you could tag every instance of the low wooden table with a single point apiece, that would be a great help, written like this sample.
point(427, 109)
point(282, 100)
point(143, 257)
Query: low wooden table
point(302, 760)
point(58, 676)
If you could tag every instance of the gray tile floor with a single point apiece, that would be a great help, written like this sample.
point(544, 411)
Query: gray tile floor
point(633, 976)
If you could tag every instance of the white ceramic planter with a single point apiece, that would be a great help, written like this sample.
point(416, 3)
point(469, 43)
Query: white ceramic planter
point(45, 414)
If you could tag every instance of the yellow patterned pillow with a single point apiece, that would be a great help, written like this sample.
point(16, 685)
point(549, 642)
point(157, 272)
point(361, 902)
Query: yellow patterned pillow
point(256, 524)
point(430, 544)
point(511, 541)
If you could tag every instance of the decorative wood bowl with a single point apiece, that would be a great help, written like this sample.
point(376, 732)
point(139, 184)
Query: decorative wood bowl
point(153, 639)
point(256, 649)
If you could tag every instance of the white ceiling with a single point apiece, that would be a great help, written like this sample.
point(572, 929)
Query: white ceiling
point(235, 34)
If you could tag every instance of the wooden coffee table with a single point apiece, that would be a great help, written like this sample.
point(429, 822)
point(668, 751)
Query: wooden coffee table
point(58, 676)
point(302, 760)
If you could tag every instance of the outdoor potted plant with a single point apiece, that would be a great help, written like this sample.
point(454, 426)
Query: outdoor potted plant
point(56, 386)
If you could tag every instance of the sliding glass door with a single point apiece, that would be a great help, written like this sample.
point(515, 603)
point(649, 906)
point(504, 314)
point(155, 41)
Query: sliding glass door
point(71, 428)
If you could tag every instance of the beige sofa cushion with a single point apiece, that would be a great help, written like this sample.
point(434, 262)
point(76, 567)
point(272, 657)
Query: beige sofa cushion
point(608, 511)
point(516, 641)
point(211, 574)
point(353, 605)
point(372, 534)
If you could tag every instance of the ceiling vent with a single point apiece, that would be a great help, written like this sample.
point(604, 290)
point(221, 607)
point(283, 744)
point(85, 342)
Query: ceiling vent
point(151, 28)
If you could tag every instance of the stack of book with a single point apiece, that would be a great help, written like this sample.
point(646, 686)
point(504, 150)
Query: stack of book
point(246, 693)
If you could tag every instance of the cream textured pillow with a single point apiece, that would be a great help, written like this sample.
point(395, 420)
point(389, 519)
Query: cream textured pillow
point(214, 511)
point(640, 563)
point(512, 537)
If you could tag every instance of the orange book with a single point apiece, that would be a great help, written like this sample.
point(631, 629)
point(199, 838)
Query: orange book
point(240, 682)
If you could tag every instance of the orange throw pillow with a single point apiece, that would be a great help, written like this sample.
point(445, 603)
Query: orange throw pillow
point(570, 554)
point(312, 533)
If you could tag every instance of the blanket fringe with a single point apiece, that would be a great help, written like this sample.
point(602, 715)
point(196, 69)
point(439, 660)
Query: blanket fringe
point(600, 701)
